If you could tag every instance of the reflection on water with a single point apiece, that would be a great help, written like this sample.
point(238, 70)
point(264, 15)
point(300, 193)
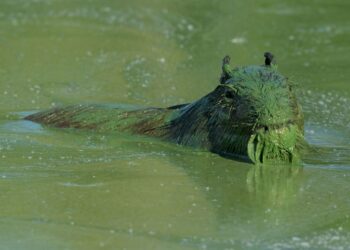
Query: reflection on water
point(274, 185)
point(66, 189)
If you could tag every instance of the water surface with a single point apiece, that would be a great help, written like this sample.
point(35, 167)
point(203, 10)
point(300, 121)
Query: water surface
point(81, 190)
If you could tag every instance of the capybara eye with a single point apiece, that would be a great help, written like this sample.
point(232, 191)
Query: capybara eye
point(229, 94)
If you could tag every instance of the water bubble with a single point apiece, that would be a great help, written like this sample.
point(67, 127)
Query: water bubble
point(305, 244)
point(238, 40)
point(306, 64)
point(106, 9)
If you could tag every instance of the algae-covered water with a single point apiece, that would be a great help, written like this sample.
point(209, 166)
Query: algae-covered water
point(81, 190)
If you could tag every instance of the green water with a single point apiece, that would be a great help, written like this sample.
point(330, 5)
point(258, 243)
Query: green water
point(80, 190)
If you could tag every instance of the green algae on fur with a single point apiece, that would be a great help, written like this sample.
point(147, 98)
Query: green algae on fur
point(253, 115)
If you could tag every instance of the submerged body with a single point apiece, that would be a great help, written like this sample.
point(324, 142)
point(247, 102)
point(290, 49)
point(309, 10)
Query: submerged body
point(254, 115)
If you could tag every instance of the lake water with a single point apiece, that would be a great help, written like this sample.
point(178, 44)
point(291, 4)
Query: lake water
point(82, 190)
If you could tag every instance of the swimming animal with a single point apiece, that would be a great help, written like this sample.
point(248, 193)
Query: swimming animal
point(253, 115)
